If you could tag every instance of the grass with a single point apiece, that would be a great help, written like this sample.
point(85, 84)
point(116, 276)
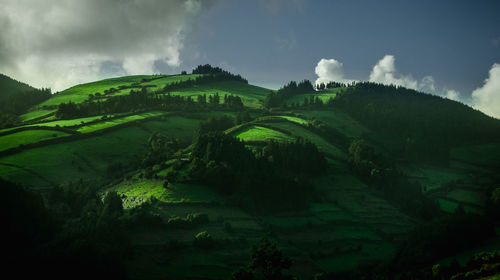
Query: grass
point(140, 191)
point(28, 137)
point(80, 93)
point(258, 133)
point(432, 178)
point(88, 158)
point(299, 131)
point(61, 123)
point(249, 94)
point(487, 155)
point(450, 206)
point(160, 83)
point(466, 196)
point(338, 120)
point(110, 123)
point(35, 114)
point(297, 120)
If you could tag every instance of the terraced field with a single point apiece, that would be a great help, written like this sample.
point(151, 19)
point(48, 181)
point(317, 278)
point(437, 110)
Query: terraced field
point(250, 95)
point(88, 158)
point(81, 92)
point(35, 114)
point(28, 137)
point(117, 121)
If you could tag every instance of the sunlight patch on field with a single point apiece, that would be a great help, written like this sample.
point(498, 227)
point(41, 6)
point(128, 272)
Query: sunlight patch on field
point(258, 133)
point(28, 137)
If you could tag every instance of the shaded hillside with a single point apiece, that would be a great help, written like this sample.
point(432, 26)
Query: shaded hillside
point(17, 97)
point(9, 86)
point(419, 124)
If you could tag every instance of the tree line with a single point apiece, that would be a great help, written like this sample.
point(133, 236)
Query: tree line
point(141, 100)
point(276, 99)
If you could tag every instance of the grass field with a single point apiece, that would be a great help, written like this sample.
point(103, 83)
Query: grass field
point(249, 94)
point(60, 123)
point(110, 123)
point(81, 92)
point(432, 178)
point(88, 158)
point(258, 133)
point(138, 191)
point(338, 120)
point(28, 137)
point(480, 155)
point(35, 114)
point(299, 131)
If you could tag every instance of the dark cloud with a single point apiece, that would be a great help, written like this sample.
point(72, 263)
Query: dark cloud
point(59, 43)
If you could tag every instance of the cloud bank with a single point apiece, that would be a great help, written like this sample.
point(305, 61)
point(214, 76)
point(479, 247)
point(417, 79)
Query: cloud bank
point(58, 43)
point(487, 97)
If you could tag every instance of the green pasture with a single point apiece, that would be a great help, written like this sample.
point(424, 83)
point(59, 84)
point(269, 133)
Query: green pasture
point(299, 131)
point(258, 133)
point(249, 94)
point(28, 137)
point(35, 114)
point(432, 178)
point(110, 123)
point(80, 93)
point(88, 158)
point(140, 191)
point(450, 206)
point(480, 155)
point(161, 83)
point(338, 120)
point(60, 123)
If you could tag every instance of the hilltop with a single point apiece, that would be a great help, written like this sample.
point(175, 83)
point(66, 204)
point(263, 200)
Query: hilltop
point(192, 169)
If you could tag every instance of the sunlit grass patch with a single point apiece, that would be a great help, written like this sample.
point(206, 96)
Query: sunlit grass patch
point(258, 133)
point(35, 114)
point(109, 123)
point(28, 137)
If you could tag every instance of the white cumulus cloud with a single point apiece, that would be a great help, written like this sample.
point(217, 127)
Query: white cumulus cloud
point(487, 97)
point(329, 70)
point(58, 43)
point(385, 72)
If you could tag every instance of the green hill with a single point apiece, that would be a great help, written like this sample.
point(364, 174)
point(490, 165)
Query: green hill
point(340, 182)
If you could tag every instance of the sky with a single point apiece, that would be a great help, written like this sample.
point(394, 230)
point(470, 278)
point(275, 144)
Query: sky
point(447, 48)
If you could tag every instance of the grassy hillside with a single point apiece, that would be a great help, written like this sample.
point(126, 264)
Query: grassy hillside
point(353, 175)
point(80, 93)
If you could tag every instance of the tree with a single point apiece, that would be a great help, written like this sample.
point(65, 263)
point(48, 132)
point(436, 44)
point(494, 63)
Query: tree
point(267, 263)
point(113, 206)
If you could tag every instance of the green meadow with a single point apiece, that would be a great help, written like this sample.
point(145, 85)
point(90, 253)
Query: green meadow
point(80, 93)
point(258, 133)
point(250, 95)
point(35, 114)
point(28, 137)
